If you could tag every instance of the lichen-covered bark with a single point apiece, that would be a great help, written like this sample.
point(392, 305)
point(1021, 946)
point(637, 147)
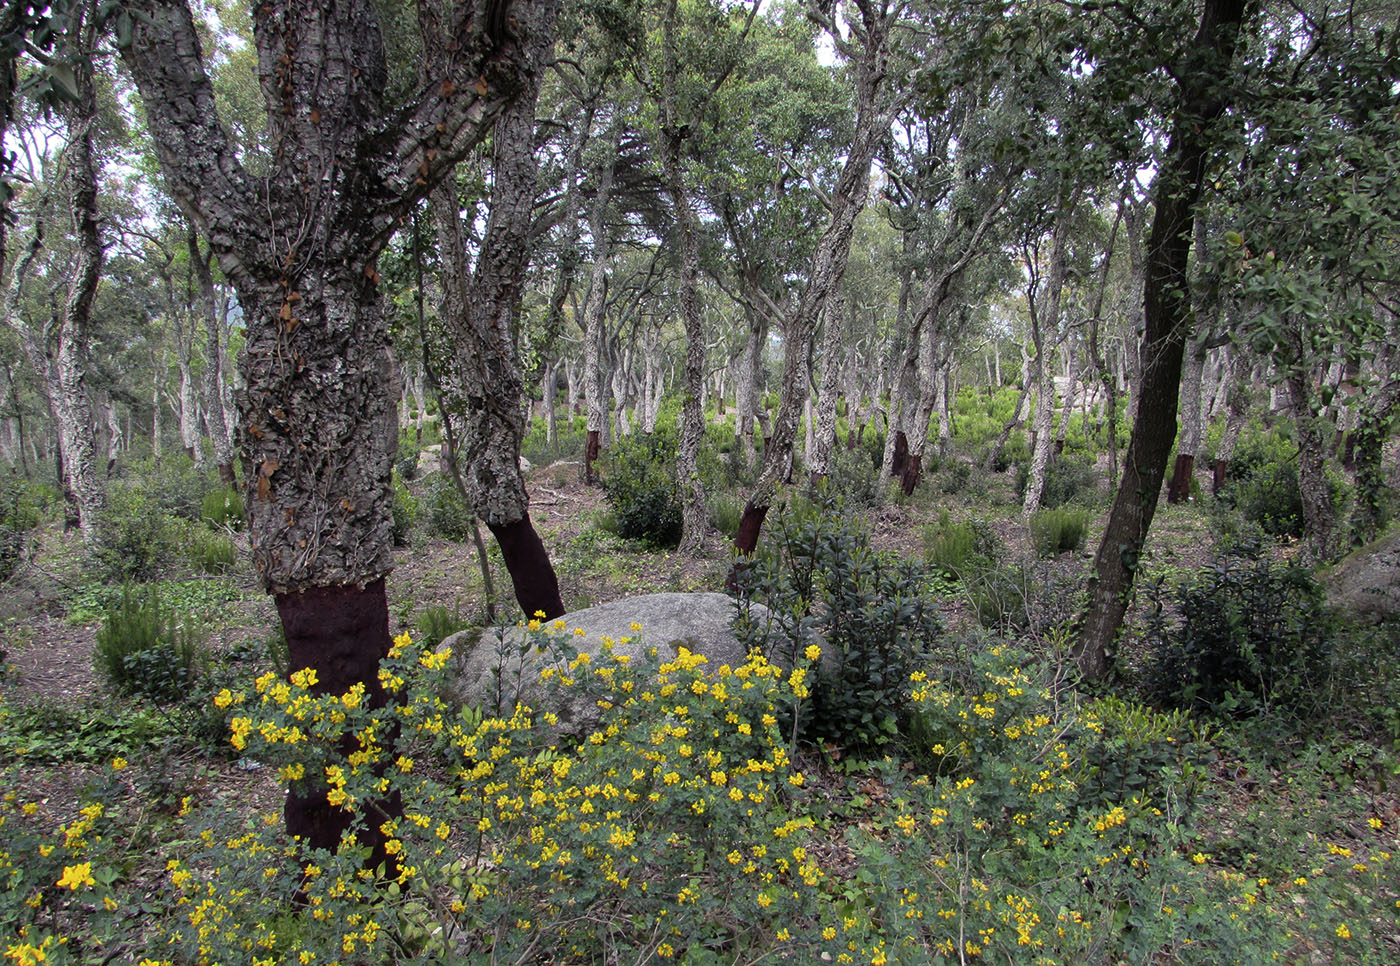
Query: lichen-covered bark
point(300, 247)
point(74, 407)
point(485, 387)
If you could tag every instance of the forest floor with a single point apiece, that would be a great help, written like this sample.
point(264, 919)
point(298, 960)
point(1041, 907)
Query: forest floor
point(51, 610)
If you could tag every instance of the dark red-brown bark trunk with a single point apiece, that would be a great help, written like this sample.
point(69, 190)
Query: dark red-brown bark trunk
point(226, 474)
point(590, 453)
point(531, 573)
point(1217, 481)
point(900, 461)
point(1179, 489)
point(750, 525)
point(909, 479)
point(342, 632)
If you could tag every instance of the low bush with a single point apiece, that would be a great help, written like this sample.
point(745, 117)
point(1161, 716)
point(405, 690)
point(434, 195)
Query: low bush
point(211, 553)
point(223, 508)
point(956, 549)
point(145, 650)
point(571, 433)
point(23, 506)
point(855, 479)
point(864, 611)
point(405, 509)
point(640, 486)
point(448, 515)
point(1060, 530)
point(725, 510)
point(1068, 479)
point(135, 539)
point(436, 624)
point(1247, 636)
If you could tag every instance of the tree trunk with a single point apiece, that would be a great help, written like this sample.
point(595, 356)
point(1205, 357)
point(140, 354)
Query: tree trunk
point(213, 375)
point(1373, 426)
point(595, 301)
point(1179, 490)
point(824, 434)
point(1236, 408)
point(1319, 516)
point(77, 437)
point(1202, 99)
point(828, 263)
point(486, 386)
point(300, 245)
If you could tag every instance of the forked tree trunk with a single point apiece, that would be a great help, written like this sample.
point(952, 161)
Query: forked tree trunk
point(300, 245)
point(486, 386)
point(1202, 99)
point(871, 34)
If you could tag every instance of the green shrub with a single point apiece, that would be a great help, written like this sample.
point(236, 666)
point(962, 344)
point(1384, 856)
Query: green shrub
point(1060, 530)
point(144, 650)
point(223, 508)
point(211, 553)
point(23, 506)
point(1251, 636)
point(448, 513)
point(1001, 598)
point(953, 476)
point(640, 486)
point(955, 549)
point(1016, 452)
point(436, 623)
point(571, 433)
point(1262, 482)
point(855, 479)
point(1068, 479)
point(172, 483)
point(725, 511)
point(135, 539)
point(1133, 747)
point(405, 511)
point(866, 611)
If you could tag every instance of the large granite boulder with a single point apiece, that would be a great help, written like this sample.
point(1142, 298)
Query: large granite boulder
point(1366, 584)
point(504, 665)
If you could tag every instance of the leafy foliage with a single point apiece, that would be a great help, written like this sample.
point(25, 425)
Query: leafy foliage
point(1252, 636)
point(145, 650)
point(640, 486)
point(136, 538)
point(223, 507)
point(953, 549)
point(1059, 530)
point(23, 506)
point(448, 514)
point(865, 612)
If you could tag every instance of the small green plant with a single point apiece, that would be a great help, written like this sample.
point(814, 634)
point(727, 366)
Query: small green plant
point(212, 553)
point(449, 515)
point(1068, 479)
point(725, 511)
point(1252, 636)
point(640, 486)
point(1059, 530)
point(436, 623)
point(223, 508)
point(405, 510)
point(955, 549)
point(145, 650)
point(865, 613)
point(23, 506)
point(135, 538)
